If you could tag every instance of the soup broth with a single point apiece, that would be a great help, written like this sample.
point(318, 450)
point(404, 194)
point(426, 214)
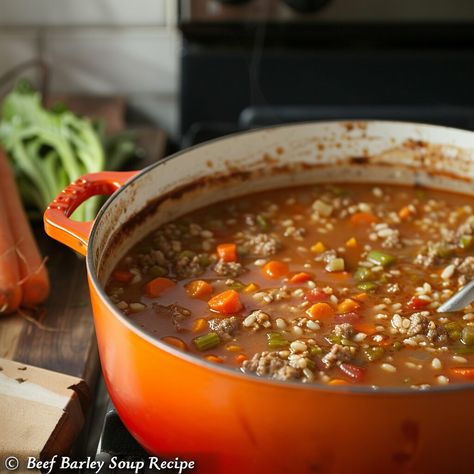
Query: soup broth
point(331, 284)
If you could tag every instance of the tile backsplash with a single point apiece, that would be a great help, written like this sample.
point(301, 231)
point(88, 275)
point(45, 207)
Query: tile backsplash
point(104, 47)
point(130, 60)
point(84, 12)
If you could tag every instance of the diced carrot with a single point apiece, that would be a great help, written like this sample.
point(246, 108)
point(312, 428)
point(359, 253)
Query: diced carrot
point(361, 297)
point(366, 328)
point(176, 342)
point(338, 382)
point(404, 212)
point(213, 358)
point(465, 372)
point(320, 311)
point(227, 252)
point(199, 289)
point(300, 277)
point(157, 286)
point(240, 358)
point(123, 276)
point(275, 269)
point(318, 247)
point(363, 218)
point(351, 243)
point(250, 288)
point(347, 306)
point(199, 325)
point(227, 302)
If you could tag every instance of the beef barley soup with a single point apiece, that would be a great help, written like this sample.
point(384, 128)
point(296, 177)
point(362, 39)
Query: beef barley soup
point(329, 284)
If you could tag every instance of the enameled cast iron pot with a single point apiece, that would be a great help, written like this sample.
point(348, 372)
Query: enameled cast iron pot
point(175, 404)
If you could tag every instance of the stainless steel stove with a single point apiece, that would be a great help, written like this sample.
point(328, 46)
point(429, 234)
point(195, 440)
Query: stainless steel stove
point(247, 63)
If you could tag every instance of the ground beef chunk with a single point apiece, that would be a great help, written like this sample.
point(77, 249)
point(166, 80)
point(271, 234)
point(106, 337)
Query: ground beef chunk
point(428, 256)
point(174, 312)
point(270, 364)
point(231, 269)
point(260, 245)
point(149, 259)
point(338, 353)
point(344, 330)
point(187, 266)
point(424, 326)
point(225, 327)
point(448, 242)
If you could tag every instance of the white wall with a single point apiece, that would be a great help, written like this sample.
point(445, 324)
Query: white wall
point(104, 47)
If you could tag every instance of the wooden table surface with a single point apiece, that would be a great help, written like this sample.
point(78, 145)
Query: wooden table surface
point(63, 340)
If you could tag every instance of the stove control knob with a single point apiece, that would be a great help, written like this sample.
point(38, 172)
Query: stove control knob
point(306, 6)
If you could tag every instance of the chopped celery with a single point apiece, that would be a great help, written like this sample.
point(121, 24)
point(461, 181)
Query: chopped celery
point(363, 274)
point(380, 258)
point(348, 342)
point(335, 265)
point(207, 341)
point(443, 251)
point(454, 331)
point(322, 208)
point(315, 350)
point(397, 345)
point(204, 259)
point(333, 339)
point(374, 353)
point(467, 336)
point(466, 241)
point(187, 253)
point(236, 285)
point(367, 286)
point(157, 271)
point(242, 250)
point(275, 340)
point(263, 223)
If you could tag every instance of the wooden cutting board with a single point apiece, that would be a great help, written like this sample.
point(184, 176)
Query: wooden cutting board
point(41, 412)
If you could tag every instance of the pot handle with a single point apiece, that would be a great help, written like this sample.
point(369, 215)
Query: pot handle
point(72, 233)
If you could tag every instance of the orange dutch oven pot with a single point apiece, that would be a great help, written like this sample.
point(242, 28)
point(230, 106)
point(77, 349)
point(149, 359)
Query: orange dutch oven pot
point(177, 405)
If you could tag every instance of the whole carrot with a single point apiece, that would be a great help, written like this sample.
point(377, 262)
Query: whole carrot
point(10, 289)
point(34, 279)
